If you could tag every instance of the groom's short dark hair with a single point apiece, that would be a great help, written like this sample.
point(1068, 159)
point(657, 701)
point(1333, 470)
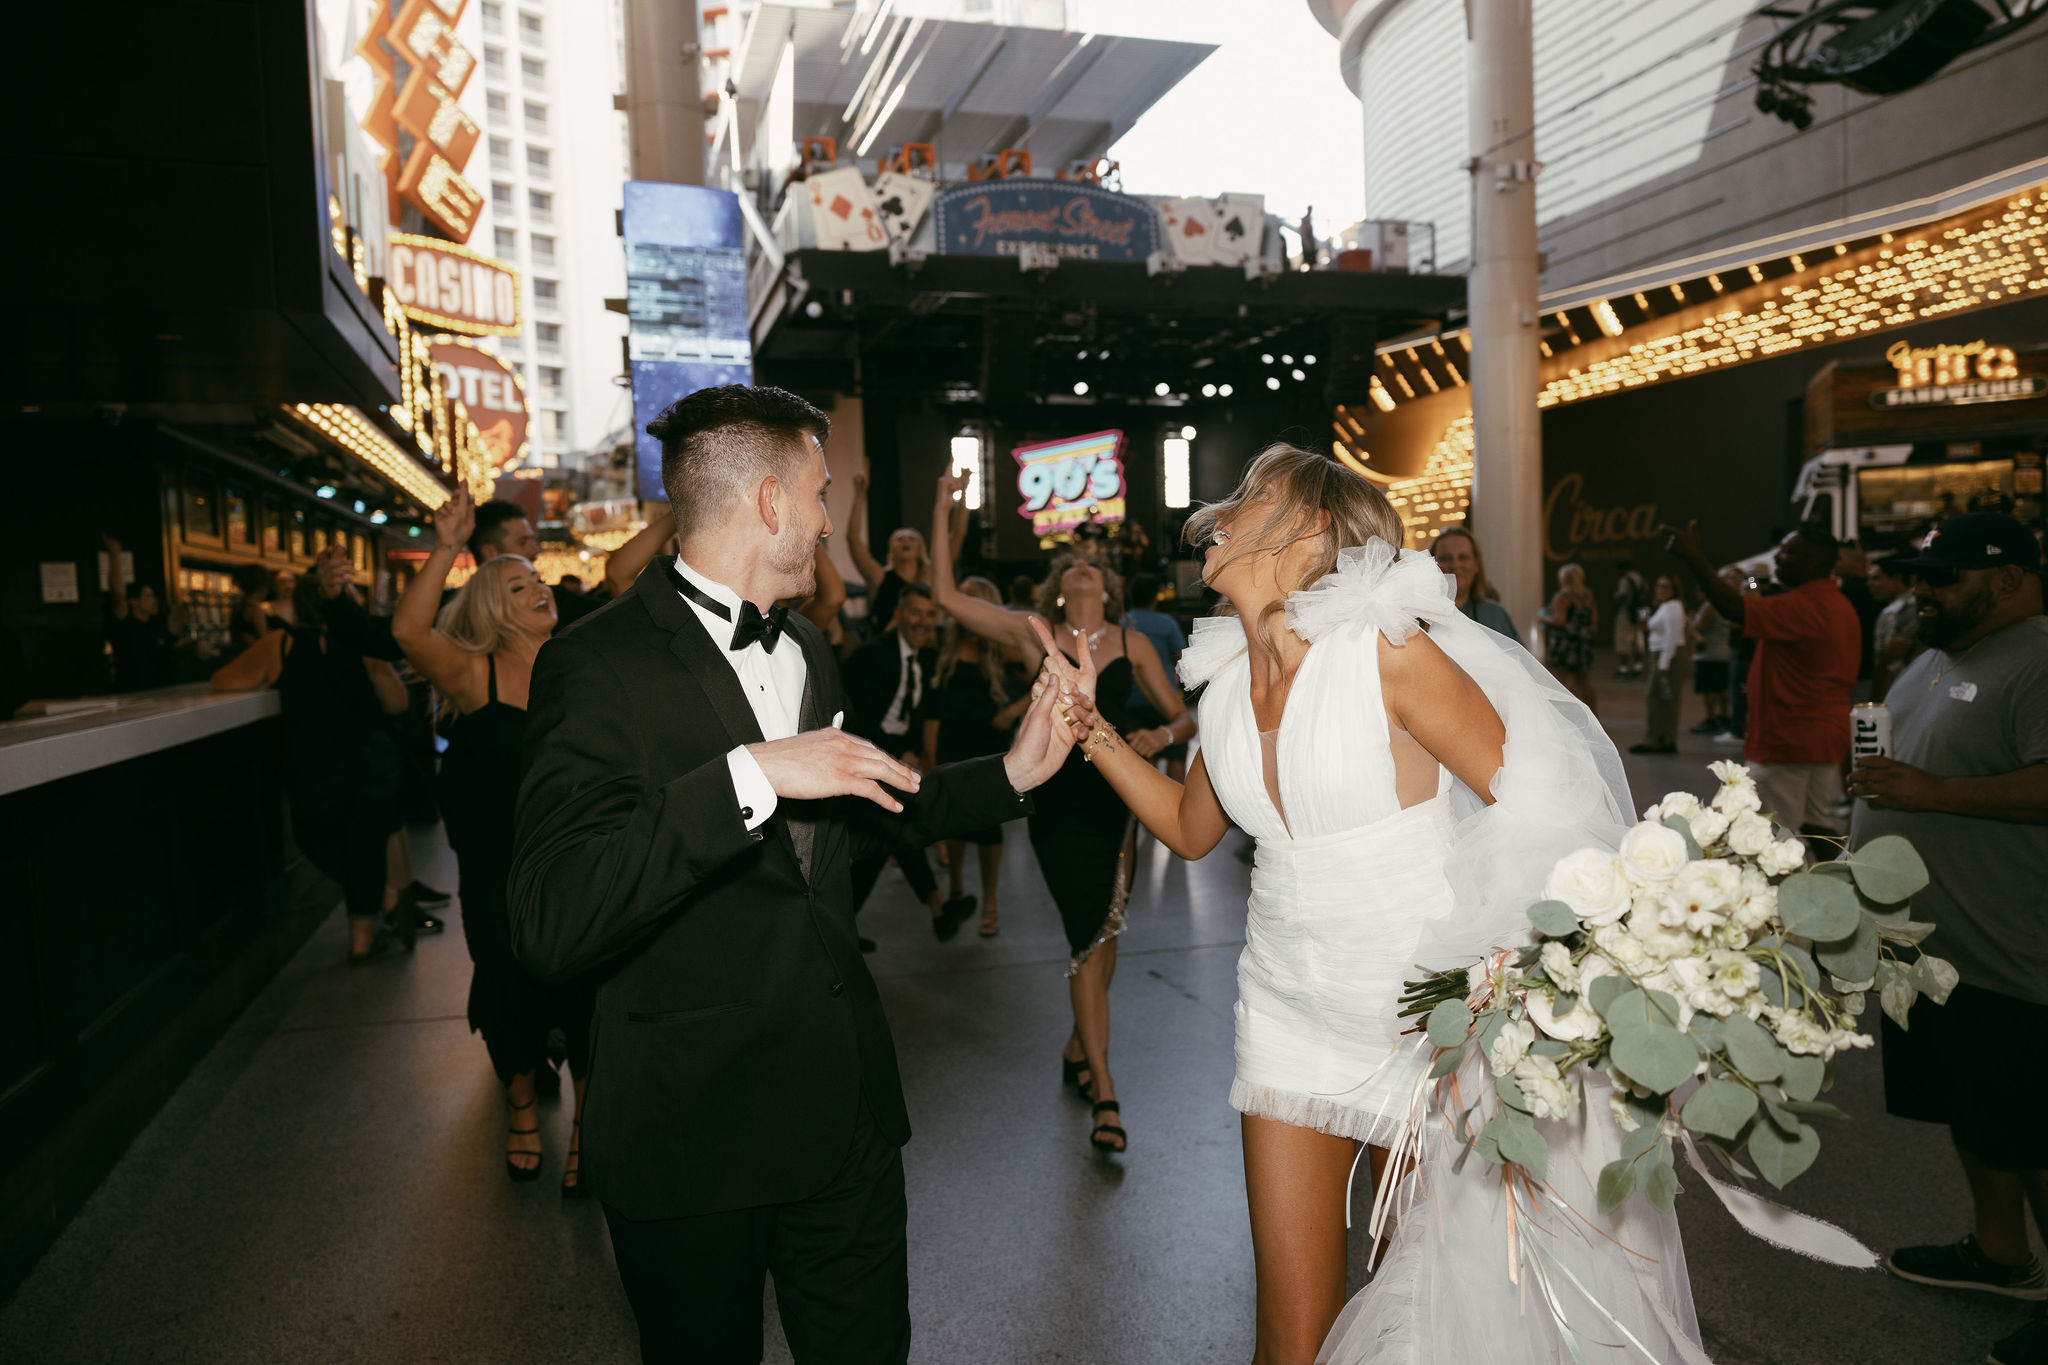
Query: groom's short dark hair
point(716, 444)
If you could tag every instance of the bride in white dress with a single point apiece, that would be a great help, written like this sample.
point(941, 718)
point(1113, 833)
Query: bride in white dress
point(1410, 777)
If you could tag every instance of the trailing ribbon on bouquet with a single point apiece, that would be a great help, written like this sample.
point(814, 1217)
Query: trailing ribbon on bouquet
point(1780, 1226)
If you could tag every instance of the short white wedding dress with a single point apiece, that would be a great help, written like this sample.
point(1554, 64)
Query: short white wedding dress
point(1372, 859)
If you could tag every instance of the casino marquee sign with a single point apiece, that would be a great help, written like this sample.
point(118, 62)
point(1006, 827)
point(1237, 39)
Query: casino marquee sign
point(1955, 376)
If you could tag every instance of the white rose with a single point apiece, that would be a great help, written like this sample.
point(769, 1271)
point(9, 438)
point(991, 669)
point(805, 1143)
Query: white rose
point(1621, 948)
point(1750, 834)
point(1575, 1025)
point(1707, 825)
point(1651, 854)
point(1510, 1045)
point(1702, 894)
point(1785, 856)
point(1800, 1034)
point(1674, 803)
point(1736, 800)
point(1759, 904)
point(1660, 941)
point(1558, 966)
point(1548, 1096)
point(1731, 978)
point(1731, 773)
point(1731, 937)
point(1592, 883)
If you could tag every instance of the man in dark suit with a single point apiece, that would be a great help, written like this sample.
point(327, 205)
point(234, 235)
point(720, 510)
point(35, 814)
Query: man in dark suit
point(887, 680)
point(687, 822)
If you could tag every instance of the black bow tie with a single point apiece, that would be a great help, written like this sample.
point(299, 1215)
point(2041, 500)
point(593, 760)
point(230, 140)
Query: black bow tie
point(754, 626)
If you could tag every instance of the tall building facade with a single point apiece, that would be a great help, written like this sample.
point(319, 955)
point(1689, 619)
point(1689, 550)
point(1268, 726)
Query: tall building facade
point(556, 162)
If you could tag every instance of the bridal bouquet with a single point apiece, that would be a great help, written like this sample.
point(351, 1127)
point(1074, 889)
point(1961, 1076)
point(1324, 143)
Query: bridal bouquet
point(1704, 968)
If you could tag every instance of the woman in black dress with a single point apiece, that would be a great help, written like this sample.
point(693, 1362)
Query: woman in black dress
point(976, 698)
point(479, 655)
point(1080, 829)
point(342, 768)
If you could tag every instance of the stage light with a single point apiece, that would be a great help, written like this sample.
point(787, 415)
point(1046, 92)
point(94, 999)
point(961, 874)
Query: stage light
point(1272, 381)
point(814, 309)
point(1308, 360)
point(1187, 433)
point(1286, 360)
point(967, 459)
point(325, 490)
point(1102, 355)
point(1161, 390)
point(1298, 375)
point(1266, 358)
point(1224, 390)
point(378, 517)
point(1080, 355)
point(413, 531)
point(1175, 481)
point(1081, 388)
point(1208, 390)
point(359, 506)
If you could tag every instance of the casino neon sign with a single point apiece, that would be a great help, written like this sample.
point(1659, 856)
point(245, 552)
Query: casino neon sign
point(1069, 482)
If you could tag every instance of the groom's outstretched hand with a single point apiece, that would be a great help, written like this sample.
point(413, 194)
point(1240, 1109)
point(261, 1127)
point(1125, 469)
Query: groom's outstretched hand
point(1045, 734)
point(821, 763)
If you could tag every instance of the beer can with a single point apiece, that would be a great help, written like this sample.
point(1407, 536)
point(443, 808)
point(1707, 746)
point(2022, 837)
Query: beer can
point(1870, 730)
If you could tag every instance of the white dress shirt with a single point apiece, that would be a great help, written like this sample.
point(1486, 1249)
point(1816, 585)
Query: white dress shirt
point(774, 684)
point(1666, 632)
point(909, 690)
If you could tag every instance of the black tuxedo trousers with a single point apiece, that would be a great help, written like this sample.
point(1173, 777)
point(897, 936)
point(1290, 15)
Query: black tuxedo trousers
point(740, 1060)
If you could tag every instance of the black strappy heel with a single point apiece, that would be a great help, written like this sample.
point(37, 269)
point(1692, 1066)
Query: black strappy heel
point(521, 1174)
point(572, 1180)
point(1072, 1072)
point(1095, 1138)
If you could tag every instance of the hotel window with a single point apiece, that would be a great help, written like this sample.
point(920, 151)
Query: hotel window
point(501, 197)
point(539, 164)
point(494, 63)
point(534, 70)
point(501, 155)
point(551, 381)
point(494, 17)
point(529, 26)
point(550, 424)
point(506, 241)
point(543, 249)
point(548, 335)
point(497, 108)
point(546, 291)
point(541, 205)
point(536, 117)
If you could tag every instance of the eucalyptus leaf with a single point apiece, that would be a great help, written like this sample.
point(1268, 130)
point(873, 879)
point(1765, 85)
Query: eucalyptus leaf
point(1754, 1053)
point(1649, 1110)
point(1814, 1109)
point(1794, 954)
point(1934, 978)
point(1781, 1158)
point(1823, 909)
point(1719, 1108)
point(1523, 1145)
point(1638, 1140)
point(1707, 1028)
point(1886, 970)
point(1888, 869)
point(1458, 1166)
point(1774, 1109)
point(1841, 987)
point(1728, 1161)
point(1510, 1092)
point(1551, 1048)
point(1660, 1187)
point(1855, 957)
point(1553, 919)
point(1603, 990)
point(1684, 828)
point(1489, 1027)
point(1447, 1062)
point(1656, 1057)
point(1563, 1003)
point(1802, 1076)
point(1450, 1023)
point(1853, 1002)
point(1897, 998)
point(1617, 1182)
point(1487, 1144)
point(1901, 928)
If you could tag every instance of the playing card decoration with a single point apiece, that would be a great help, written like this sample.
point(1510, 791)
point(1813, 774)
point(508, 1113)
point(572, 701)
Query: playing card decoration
point(1240, 221)
point(1189, 227)
point(901, 201)
point(843, 212)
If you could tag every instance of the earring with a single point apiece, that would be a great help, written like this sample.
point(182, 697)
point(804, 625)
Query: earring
point(1060, 601)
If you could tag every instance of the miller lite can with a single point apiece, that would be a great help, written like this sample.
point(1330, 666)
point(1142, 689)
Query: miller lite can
point(1870, 730)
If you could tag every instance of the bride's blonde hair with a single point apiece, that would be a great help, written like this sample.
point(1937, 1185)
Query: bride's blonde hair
point(1301, 484)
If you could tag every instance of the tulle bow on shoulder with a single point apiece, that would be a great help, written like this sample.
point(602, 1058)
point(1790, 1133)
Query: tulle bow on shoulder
point(1373, 584)
point(1216, 642)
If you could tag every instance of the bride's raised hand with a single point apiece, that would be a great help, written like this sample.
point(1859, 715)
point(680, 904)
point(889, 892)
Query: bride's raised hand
point(1080, 677)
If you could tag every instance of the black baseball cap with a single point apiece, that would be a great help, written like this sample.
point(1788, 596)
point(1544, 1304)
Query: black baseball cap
point(1973, 540)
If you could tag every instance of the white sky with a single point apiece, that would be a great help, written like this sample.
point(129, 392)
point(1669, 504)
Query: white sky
point(1267, 113)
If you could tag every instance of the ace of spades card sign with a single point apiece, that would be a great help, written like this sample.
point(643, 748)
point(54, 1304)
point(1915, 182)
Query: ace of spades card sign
point(843, 212)
point(1240, 228)
point(902, 200)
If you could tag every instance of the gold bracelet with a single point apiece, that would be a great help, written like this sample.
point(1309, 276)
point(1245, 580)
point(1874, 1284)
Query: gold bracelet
point(1102, 736)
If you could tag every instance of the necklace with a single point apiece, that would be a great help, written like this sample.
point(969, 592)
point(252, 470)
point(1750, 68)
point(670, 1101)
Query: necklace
point(1095, 636)
point(1953, 660)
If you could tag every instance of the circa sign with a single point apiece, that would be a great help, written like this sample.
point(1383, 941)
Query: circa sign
point(1952, 376)
point(492, 393)
point(454, 288)
point(1068, 482)
point(1067, 218)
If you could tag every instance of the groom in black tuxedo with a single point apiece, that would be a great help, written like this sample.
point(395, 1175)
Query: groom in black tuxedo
point(687, 820)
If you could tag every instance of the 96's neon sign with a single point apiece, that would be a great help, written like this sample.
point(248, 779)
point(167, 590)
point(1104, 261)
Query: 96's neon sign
point(1068, 482)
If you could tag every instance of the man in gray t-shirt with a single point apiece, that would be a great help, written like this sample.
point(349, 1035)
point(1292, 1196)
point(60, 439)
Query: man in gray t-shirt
point(1967, 782)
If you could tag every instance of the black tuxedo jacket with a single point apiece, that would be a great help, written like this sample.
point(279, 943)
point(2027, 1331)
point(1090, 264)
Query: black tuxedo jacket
point(872, 675)
point(737, 1025)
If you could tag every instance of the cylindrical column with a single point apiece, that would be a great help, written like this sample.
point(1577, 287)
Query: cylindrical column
point(1507, 473)
point(664, 104)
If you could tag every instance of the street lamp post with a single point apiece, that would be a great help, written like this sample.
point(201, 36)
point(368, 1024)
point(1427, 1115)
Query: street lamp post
point(1507, 472)
point(664, 101)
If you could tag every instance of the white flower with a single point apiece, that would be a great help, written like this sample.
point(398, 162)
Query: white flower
point(1674, 803)
point(1575, 1025)
point(1681, 978)
point(1660, 942)
point(1737, 799)
point(1785, 856)
point(1621, 948)
point(1558, 966)
point(1651, 854)
point(1707, 826)
point(1617, 1104)
point(1548, 1096)
point(1750, 834)
point(1731, 978)
point(1730, 937)
point(1702, 894)
point(1759, 905)
point(1592, 883)
point(1843, 1040)
point(1510, 1045)
point(1731, 773)
point(1800, 1034)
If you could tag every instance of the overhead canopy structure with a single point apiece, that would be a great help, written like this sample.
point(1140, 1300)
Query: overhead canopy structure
point(877, 77)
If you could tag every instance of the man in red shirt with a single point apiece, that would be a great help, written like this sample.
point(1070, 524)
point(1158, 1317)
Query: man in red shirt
point(1809, 648)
